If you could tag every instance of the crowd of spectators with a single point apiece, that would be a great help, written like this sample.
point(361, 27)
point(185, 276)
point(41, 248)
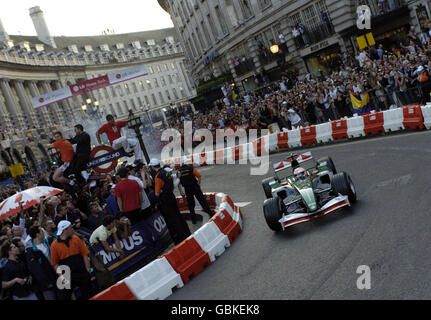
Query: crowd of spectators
point(392, 76)
point(33, 241)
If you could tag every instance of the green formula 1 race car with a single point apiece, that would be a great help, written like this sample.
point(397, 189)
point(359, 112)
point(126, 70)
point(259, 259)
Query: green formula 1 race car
point(304, 190)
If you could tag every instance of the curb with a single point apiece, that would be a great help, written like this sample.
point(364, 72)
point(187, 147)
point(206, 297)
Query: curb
point(175, 268)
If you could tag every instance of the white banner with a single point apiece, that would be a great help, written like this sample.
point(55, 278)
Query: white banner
point(51, 97)
point(128, 74)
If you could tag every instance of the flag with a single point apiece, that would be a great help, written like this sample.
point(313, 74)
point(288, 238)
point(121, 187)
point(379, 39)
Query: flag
point(361, 107)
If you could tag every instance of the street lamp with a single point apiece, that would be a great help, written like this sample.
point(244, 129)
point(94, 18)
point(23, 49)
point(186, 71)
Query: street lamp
point(134, 123)
point(275, 48)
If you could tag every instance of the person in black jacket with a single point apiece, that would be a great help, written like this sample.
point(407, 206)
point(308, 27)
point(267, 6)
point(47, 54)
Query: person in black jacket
point(82, 154)
point(38, 263)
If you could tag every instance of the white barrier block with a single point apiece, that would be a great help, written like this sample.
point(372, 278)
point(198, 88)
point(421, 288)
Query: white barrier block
point(294, 138)
point(355, 127)
point(272, 145)
point(393, 120)
point(218, 198)
point(212, 240)
point(324, 132)
point(154, 281)
point(426, 111)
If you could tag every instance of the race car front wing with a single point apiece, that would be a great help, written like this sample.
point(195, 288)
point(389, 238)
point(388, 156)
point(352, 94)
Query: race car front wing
point(334, 204)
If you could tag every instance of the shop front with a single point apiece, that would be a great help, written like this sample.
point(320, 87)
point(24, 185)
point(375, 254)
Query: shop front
point(324, 59)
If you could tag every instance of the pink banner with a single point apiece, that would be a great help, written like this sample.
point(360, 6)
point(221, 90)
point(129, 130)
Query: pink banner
point(89, 85)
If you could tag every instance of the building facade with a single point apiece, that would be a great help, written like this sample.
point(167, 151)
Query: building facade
point(34, 65)
point(222, 36)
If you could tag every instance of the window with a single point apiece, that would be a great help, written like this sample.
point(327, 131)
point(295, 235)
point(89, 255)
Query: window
point(132, 103)
point(141, 85)
point(150, 86)
point(212, 26)
point(166, 67)
point(156, 83)
point(151, 70)
point(222, 20)
point(120, 90)
point(111, 109)
point(172, 66)
point(170, 79)
point(264, 3)
point(311, 19)
point(206, 34)
point(105, 90)
point(175, 93)
point(140, 102)
point(154, 99)
point(201, 42)
point(146, 100)
point(163, 81)
point(158, 69)
point(135, 88)
point(127, 88)
point(168, 95)
point(231, 12)
point(161, 98)
point(198, 47)
point(114, 94)
point(120, 110)
point(245, 8)
point(183, 94)
point(178, 78)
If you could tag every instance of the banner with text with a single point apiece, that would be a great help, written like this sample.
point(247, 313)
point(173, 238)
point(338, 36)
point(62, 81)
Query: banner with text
point(89, 85)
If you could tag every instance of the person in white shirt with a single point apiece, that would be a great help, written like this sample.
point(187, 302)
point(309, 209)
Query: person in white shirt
point(132, 176)
point(294, 119)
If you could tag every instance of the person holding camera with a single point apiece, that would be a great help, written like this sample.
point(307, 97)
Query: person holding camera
point(16, 278)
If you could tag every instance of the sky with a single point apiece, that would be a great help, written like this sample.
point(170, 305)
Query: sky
point(84, 17)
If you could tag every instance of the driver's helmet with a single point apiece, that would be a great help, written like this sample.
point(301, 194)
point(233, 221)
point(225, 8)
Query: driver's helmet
point(299, 173)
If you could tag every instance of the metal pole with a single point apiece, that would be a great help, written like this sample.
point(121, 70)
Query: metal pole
point(141, 142)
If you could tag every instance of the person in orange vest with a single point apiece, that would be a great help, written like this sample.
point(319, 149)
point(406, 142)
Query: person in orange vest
point(167, 203)
point(190, 179)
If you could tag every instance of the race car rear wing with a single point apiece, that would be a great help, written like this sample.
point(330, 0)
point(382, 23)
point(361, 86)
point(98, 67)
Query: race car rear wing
point(286, 164)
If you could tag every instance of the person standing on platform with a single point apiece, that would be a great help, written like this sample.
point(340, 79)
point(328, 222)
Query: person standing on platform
point(113, 131)
point(191, 181)
point(82, 156)
point(167, 202)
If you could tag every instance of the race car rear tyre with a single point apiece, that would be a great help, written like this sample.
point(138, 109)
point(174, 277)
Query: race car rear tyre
point(343, 184)
point(329, 163)
point(267, 188)
point(273, 211)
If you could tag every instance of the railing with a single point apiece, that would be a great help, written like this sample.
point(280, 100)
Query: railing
point(267, 57)
point(379, 8)
point(54, 60)
point(314, 34)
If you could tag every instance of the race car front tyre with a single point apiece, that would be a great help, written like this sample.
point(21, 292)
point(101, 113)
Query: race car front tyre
point(273, 211)
point(267, 188)
point(329, 163)
point(343, 184)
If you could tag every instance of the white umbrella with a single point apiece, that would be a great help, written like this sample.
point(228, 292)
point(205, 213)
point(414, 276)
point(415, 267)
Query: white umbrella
point(27, 198)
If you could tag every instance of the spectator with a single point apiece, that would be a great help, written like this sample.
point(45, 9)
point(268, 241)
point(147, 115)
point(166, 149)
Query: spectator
point(295, 119)
point(129, 196)
point(102, 233)
point(39, 264)
point(68, 250)
point(16, 278)
point(95, 219)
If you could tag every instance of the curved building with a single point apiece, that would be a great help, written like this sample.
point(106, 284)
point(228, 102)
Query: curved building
point(34, 65)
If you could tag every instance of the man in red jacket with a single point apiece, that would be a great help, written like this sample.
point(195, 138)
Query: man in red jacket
point(113, 131)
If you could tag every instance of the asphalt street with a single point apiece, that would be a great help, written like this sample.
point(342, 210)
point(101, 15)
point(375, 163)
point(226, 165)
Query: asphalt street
point(388, 229)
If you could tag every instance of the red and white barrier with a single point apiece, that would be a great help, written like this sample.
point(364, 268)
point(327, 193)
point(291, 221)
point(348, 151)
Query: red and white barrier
point(156, 280)
point(409, 117)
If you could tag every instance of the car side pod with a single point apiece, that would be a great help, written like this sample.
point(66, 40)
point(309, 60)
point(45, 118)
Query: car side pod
point(333, 205)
